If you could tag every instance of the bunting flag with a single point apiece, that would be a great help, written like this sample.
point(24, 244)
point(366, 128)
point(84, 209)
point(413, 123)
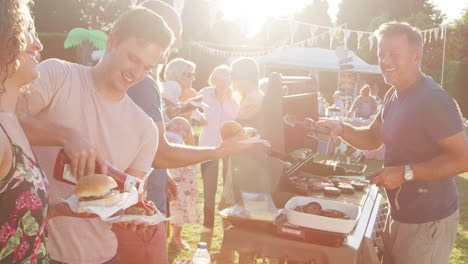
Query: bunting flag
point(312, 41)
point(346, 34)
point(324, 35)
point(312, 30)
point(332, 32)
point(371, 41)
point(179, 5)
point(360, 34)
point(436, 33)
point(230, 54)
point(292, 27)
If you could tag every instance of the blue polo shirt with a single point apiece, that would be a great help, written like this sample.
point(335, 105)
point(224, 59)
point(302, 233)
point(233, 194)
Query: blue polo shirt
point(412, 123)
point(147, 96)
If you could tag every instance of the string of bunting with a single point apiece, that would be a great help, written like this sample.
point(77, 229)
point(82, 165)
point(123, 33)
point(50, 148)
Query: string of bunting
point(225, 53)
point(331, 33)
point(427, 34)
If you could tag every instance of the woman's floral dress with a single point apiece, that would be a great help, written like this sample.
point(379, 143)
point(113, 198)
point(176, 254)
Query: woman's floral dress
point(23, 211)
point(186, 208)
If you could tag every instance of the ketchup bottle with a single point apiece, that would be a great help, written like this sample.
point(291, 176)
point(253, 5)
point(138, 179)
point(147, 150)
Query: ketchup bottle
point(62, 172)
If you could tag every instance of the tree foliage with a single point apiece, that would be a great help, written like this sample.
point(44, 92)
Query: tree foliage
point(57, 15)
point(100, 14)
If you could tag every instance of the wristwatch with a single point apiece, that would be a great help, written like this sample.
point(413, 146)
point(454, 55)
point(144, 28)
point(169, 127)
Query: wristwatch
point(409, 175)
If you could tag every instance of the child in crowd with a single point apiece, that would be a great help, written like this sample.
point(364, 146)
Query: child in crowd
point(185, 208)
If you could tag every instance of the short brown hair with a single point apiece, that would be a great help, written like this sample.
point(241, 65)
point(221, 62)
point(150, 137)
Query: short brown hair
point(13, 29)
point(143, 24)
point(394, 28)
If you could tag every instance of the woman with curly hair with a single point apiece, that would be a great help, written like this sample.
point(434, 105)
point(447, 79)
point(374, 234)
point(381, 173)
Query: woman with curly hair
point(23, 185)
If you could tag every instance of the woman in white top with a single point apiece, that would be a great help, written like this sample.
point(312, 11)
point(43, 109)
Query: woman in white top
point(221, 108)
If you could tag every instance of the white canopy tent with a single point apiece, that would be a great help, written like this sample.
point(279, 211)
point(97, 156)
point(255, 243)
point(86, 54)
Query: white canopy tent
point(315, 59)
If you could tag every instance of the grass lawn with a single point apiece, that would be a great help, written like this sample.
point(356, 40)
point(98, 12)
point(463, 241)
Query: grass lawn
point(192, 234)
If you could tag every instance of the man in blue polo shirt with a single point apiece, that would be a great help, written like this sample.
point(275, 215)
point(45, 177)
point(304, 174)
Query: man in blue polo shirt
point(425, 146)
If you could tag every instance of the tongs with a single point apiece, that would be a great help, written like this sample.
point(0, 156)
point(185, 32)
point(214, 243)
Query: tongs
point(355, 177)
point(308, 123)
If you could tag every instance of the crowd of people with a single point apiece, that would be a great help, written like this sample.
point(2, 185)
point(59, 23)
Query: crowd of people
point(120, 112)
point(365, 106)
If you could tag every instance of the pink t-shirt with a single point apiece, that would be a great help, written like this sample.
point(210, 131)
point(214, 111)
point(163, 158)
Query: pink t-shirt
point(124, 135)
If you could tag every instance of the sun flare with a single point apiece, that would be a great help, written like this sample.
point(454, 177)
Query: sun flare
point(251, 14)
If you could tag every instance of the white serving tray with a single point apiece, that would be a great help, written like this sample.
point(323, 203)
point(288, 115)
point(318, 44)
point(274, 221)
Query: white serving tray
point(322, 222)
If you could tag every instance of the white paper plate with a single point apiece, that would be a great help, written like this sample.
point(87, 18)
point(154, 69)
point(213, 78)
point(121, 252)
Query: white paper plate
point(198, 104)
point(256, 139)
point(151, 220)
point(126, 200)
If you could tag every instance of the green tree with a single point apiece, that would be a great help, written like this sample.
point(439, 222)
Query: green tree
point(315, 13)
point(458, 73)
point(57, 15)
point(358, 14)
point(100, 14)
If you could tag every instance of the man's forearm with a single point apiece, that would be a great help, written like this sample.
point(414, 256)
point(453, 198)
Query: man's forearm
point(176, 156)
point(42, 133)
point(360, 137)
point(442, 166)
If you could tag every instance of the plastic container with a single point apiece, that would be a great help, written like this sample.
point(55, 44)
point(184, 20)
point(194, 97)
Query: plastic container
point(321, 222)
point(201, 255)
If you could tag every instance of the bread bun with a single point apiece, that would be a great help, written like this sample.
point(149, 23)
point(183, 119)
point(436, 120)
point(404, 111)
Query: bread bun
point(135, 210)
point(229, 129)
point(96, 190)
point(142, 208)
point(106, 201)
point(94, 185)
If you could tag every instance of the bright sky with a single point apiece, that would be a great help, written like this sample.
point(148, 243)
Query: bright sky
point(452, 8)
point(252, 13)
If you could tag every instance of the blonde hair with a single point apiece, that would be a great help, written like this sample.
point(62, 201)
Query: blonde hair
point(14, 25)
point(176, 68)
point(221, 71)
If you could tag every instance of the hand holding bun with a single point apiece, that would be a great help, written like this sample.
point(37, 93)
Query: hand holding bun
point(231, 128)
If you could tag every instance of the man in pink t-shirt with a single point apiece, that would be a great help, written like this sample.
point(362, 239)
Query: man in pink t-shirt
point(93, 101)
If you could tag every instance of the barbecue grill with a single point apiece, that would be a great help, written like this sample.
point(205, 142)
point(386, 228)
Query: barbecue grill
point(281, 240)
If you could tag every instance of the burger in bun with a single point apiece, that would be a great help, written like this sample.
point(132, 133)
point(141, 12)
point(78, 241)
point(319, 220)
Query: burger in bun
point(96, 190)
point(231, 128)
point(142, 208)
